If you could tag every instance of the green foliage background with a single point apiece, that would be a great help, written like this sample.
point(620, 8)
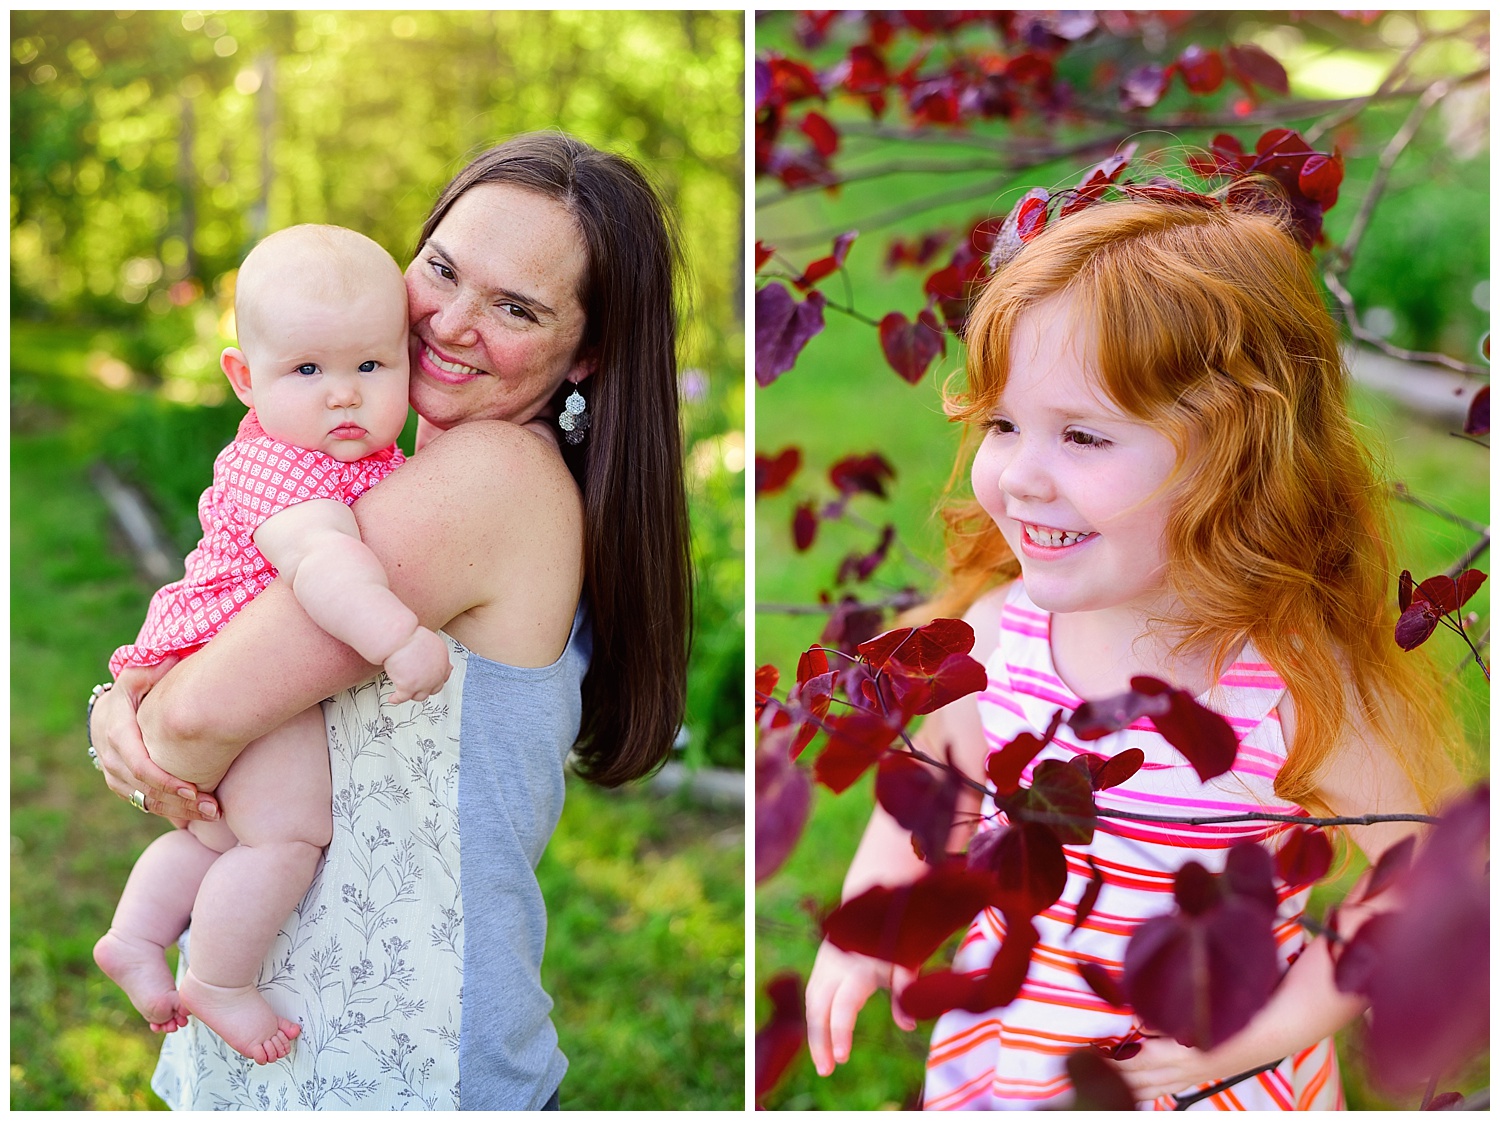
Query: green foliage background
point(1423, 258)
point(149, 150)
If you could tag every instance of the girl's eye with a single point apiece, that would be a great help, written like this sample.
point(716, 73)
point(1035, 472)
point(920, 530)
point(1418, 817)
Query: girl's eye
point(1084, 439)
point(307, 369)
point(1000, 424)
point(368, 366)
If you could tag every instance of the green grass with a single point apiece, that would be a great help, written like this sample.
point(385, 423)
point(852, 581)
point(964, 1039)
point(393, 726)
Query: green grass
point(645, 955)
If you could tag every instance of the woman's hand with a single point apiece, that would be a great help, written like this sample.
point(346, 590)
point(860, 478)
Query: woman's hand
point(116, 736)
point(1164, 1066)
point(840, 984)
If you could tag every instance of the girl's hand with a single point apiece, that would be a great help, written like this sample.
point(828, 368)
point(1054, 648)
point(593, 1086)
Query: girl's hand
point(840, 984)
point(1164, 1066)
point(121, 751)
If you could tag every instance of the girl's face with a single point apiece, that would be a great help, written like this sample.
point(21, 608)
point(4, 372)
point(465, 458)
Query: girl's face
point(495, 317)
point(1072, 481)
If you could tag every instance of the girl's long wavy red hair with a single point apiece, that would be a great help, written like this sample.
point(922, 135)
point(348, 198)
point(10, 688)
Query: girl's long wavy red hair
point(1210, 327)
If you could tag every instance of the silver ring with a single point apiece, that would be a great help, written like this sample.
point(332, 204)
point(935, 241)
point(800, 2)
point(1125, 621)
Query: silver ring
point(138, 800)
point(94, 759)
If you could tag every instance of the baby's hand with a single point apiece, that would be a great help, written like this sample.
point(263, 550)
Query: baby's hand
point(419, 668)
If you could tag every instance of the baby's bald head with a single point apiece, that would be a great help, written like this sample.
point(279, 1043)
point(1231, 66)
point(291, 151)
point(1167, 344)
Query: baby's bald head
point(328, 264)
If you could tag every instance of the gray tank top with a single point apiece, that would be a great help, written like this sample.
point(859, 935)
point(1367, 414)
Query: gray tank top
point(517, 727)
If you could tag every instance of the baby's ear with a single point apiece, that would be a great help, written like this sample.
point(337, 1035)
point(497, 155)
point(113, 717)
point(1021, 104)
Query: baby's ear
point(237, 370)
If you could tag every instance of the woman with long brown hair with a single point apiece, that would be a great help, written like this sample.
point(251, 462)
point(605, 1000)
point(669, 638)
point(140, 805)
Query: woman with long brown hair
point(542, 526)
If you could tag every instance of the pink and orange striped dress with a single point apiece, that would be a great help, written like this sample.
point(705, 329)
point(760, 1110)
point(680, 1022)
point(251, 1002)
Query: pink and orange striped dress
point(1012, 1057)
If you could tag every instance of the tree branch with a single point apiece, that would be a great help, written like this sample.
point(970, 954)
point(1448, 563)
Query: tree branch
point(1426, 357)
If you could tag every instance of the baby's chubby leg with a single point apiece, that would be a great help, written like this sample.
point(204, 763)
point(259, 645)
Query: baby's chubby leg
point(153, 911)
point(277, 797)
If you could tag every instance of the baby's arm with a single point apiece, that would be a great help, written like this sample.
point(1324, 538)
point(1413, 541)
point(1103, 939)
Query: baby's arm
point(841, 982)
point(340, 583)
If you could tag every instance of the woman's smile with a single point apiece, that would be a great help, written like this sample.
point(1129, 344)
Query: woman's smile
point(443, 369)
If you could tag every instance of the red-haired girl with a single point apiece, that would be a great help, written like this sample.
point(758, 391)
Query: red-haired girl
point(1166, 483)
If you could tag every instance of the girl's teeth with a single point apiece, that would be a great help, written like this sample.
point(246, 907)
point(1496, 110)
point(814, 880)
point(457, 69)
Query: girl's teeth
point(1054, 538)
point(451, 367)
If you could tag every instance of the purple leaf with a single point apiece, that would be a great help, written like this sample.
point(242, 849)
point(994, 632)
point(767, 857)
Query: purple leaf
point(782, 328)
point(783, 796)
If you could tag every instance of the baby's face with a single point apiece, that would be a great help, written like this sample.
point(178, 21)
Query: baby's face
point(330, 374)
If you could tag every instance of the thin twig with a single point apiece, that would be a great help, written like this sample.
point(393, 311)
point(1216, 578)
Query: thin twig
point(1402, 494)
point(1351, 317)
point(1404, 135)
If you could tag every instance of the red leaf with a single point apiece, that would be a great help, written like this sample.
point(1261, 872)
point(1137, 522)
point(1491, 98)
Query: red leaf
point(855, 741)
point(1097, 1083)
point(812, 663)
point(765, 683)
point(823, 266)
point(1451, 1099)
point(1404, 589)
point(819, 129)
point(1202, 70)
point(1253, 65)
point(1204, 738)
point(783, 796)
point(809, 702)
point(921, 799)
point(943, 990)
point(1118, 769)
point(1305, 857)
point(1392, 864)
point(910, 347)
point(1025, 220)
point(1027, 862)
point(907, 924)
point(922, 648)
point(772, 474)
point(1249, 872)
point(1200, 978)
point(782, 328)
point(1429, 985)
point(804, 526)
point(1477, 423)
point(1320, 177)
point(792, 81)
point(1468, 583)
point(783, 1038)
point(1439, 591)
point(763, 253)
point(1094, 720)
point(1089, 897)
point(1062, 798)
point(1004, 767)
point(1416, 625)
point(1109, 987)
point(921, 691)
point(861, 474)
point(1196, 889)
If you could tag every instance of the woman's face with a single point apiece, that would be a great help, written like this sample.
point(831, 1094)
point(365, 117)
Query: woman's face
point(495, 316)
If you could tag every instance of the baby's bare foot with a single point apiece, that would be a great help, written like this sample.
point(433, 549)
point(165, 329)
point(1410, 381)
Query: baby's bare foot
point(140, 968)
point(241, 1018)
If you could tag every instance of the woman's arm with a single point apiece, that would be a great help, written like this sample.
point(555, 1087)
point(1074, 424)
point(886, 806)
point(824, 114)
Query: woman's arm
point(1307, 1006)
point(841, 982)
point(480, 533)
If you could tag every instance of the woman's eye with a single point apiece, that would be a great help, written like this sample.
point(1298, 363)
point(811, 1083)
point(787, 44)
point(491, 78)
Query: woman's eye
point(441, 269)
point(515, 311)
point(368, 366)
point(307, 369)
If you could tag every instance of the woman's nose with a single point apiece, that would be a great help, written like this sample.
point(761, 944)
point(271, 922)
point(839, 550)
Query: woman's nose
point(456, 321)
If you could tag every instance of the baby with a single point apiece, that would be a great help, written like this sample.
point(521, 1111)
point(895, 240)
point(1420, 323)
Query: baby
point(322, 364)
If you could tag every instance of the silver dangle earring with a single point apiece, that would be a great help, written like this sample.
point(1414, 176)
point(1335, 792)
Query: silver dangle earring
point(575, 419)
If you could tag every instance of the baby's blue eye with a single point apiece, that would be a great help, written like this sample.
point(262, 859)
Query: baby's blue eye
point(368, 366)
point(307, 368)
